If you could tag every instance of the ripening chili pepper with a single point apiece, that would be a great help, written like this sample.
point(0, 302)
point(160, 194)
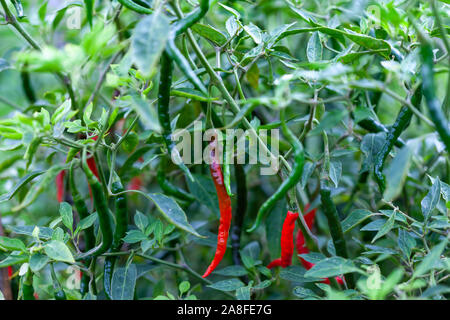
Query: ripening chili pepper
point(291, 181)
point(10, 272)
point(429, 92)
point(121, 209)
point(101, 206)
point(130, 4)
point(224, 206)
point(301, 245)
point(60, 187)
point(165, 83)
point(287, 242)
point(401, 123)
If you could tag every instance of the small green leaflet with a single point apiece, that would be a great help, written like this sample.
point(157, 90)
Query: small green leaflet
point(123, 283)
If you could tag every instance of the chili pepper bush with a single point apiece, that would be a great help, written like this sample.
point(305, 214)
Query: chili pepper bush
point(351, 99)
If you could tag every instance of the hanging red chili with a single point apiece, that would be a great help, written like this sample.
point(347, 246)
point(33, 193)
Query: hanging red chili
point(287, 242)
point(301, 245)
point(60, 187)
point(10, 272)
point(224, 206)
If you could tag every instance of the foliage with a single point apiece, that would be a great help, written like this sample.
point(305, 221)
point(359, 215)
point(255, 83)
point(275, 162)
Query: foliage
point(339, 70)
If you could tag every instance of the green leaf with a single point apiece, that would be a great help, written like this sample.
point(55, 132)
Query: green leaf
point(141, 221)
point(354, 218)
point(243, 293)
point(147, 113)
point(172, 212)
point(134, 236)
point(273, 227)
point(231, 271)
point(431, 199)
point(204, 191)
point(405, 242)
point(314, 48)
point(210, 33)
point(331, 267)
point(58, 251)
point(89, 10)
point(11, 244)
point(254, 32)
point(184, 287)
point(149, 41)
point(65, 210)
point(430, 261)
point(335, 172)
point(13, 259)
point(123, 283)
point(38, 262)
point(227, 285)
point(396, 174)
point(385, 228)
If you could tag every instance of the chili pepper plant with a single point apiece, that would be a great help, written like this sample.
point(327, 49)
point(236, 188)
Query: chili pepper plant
point(205, 149)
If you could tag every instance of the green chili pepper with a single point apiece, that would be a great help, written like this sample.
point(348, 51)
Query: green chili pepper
point(57, 288)
point(226, 169)
point(429, 92)
point(6, 164)
point(165, 82)
point(27, 87)
point(121, 208)
point(374, 126)
point(101, 206)
point(169, 188)
point(27, 286)
point(335, 225)
point(293, 178)
point(89, 10)
point(188, 21)
point(401, 123)
point(135, 6)
point(89, 236)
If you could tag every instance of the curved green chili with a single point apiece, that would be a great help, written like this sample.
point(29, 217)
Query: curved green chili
point(334, 225)
point(293, 178)
point(169, 188)
point(401, 123)
point(57, 288)
point(101, 206)
point(374, 126)
point(121, 208)
point(429, 92)
point(130, 4)
point(165, 82)
point(89, 236)
point(27, 87)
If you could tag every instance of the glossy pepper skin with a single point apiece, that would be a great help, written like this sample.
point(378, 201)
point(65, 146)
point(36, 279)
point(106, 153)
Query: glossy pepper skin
point(60, 187)
point(401, 123)
point(225, 209)
point(301, 245)
point(287, 242)
point(290, 182)
point(429, 92)
point(101, 206)
point(121, 208)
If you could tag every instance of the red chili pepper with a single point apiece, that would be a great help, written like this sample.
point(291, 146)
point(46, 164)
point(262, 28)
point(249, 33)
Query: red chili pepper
point(301, 246)
point(225, 209)
point(60, 187)
point(287, 242)
point(135, 184)
point(10, 272)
